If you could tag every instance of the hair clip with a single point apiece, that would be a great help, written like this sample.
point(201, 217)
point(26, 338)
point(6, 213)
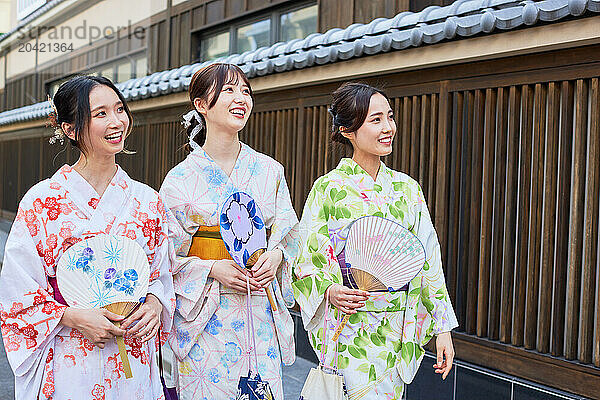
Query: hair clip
point(58, 135)
point(187, 122)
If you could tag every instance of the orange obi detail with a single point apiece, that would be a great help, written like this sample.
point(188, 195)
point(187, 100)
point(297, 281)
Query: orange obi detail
point(207, 244)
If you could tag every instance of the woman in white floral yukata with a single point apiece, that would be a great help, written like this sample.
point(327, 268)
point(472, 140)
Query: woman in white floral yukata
point(59, 352)
point(381, 346)
point(210, 338)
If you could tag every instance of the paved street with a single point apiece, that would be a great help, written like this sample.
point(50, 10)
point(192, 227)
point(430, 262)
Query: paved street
point(293, 378)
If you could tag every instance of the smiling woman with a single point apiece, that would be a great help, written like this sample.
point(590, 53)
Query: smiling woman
point(55, 350)
point(381, 346)
point(210, 287)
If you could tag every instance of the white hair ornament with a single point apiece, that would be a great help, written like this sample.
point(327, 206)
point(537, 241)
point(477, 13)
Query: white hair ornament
point(187, 122)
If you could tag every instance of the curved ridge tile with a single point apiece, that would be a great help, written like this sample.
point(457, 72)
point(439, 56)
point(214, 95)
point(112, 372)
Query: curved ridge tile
point(594, 5)
point(424, 15)
point(398, 20)
point(353, 31)
point(509, 18)
point(440, 13)
point(551, 10)
point(433, 33)
point(400, 39)
point(378, 25)
point(468, 25)
point(577, 7)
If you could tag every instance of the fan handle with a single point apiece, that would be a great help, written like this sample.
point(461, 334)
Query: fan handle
point(123, 353)
point(251, 261)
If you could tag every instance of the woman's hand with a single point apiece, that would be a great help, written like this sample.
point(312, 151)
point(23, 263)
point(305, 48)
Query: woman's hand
point(443, 346)
point(94, 324)
point(345, 299)
point(147, 317)
point(232, 276)
point(266, 267)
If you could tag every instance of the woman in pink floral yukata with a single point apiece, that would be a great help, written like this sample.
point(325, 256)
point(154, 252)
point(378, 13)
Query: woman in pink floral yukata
point(58, 352)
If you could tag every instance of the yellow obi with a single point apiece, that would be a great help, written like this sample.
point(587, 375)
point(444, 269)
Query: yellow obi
point(207, 244)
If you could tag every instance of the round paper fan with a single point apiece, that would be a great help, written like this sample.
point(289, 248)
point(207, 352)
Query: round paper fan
point(244, 233)
point(105, 271)
point(383, 255)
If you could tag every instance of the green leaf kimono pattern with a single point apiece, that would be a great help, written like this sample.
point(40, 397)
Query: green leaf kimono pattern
point(381, 347)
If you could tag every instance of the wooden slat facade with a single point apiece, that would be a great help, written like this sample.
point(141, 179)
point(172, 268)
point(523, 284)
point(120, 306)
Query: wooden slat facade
point(509, 160)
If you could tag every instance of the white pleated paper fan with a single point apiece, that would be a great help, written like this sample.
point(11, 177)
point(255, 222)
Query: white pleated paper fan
point(103, 270)
point(383, 255)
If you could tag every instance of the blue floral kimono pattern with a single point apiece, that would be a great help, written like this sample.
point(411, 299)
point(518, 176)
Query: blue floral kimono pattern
point(210, 336)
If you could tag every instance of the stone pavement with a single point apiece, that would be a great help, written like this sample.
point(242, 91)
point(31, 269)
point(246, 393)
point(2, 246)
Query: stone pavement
point(293, 378)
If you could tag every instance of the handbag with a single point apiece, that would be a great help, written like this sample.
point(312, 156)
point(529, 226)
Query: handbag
point(170, 393)
point(252, 387)
point(325, 382)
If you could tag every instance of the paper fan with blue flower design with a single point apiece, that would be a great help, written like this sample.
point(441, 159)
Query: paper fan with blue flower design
point(105, 271)
point(243, 230)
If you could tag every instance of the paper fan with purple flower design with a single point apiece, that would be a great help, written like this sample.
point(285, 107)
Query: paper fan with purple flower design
point(242, 228)
point(105, 271)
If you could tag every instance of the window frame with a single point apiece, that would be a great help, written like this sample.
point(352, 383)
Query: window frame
point(274, 16)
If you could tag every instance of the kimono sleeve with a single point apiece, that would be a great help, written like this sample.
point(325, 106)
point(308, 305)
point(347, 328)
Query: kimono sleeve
point(161, 278)
point(284, 235)
point(316, 266)
point(435, 301)
point(190, 274)
point(29, 313)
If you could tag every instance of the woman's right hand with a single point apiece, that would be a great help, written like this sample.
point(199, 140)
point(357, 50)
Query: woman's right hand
point(345, 299)
point(231, 275)
point(94, 324)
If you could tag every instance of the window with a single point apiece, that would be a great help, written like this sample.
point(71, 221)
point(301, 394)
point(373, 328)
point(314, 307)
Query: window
point(52, 87)
point(298, 24)
point(215, 46)
point(107, 73)
point(26, 7)
point(253, 36)
point(123, 72)
point(278, 26)
point(141, 67)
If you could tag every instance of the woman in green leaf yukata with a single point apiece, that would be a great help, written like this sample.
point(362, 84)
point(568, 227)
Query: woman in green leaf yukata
point(381, 346)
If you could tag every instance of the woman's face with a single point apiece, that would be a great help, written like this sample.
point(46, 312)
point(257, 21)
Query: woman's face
point(376, 134)
point(232, 109)
point(108, 125)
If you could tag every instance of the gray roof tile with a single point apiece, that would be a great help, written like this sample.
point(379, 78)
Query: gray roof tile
point(463, 18)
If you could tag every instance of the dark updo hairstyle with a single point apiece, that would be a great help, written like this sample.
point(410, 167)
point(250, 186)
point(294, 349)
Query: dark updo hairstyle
point(72, 102)
point(206, 84)
point(349, 108)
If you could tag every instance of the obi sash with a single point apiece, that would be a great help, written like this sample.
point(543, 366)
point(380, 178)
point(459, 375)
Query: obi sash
point(208, 245)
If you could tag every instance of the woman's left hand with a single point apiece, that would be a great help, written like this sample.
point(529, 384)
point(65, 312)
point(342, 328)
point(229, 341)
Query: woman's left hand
point(266, 267)
point(147, 317)
point(443, 346)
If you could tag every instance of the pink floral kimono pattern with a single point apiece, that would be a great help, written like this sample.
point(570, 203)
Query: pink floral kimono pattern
point(50, 360)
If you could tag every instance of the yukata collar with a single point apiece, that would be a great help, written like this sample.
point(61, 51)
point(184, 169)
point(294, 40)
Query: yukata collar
point(200, 153)
point(87, 199)
point(351, 167)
